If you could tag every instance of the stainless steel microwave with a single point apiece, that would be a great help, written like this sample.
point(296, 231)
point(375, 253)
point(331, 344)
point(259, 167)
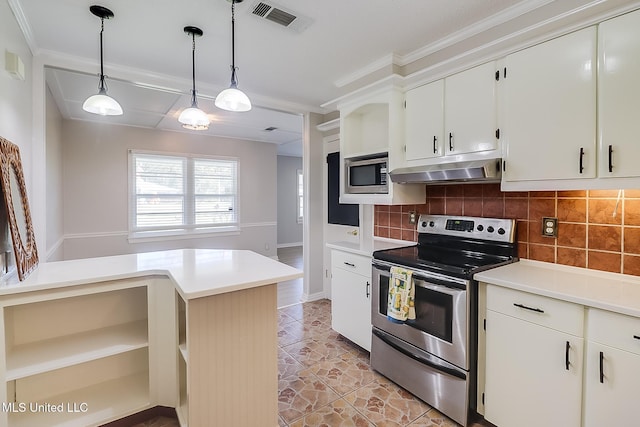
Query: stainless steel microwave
point(366, 175)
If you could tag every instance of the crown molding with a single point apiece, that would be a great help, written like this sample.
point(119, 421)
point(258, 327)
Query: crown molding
point(386, 61)
point(499, 18)
point(21, 18)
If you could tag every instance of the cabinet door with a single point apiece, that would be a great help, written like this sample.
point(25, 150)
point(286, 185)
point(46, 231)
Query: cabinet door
point(424, 119)
point(351, 307)
point(619, 96)
point(550, 109)
point(612, 399)
point(527, 381)
point(470, 110)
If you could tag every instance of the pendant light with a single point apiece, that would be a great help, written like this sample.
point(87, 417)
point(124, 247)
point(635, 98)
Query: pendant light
point(233, 99)
point(193, 117)
point(102, 103)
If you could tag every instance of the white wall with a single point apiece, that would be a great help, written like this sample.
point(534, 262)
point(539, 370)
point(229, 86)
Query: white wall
point(289, 230)
point(55, 225)
point(16, 111)
point(95, 182)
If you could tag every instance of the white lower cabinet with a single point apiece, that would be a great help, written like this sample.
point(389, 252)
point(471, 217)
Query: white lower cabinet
point(533, 369)
point(533, 363)
point(351, 297)
point(612, 373)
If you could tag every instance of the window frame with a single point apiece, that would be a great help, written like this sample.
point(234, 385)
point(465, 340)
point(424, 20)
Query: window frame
point(299, 195)
point(188, 229)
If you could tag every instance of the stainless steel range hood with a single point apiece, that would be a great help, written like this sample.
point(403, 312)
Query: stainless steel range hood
point(471, 171)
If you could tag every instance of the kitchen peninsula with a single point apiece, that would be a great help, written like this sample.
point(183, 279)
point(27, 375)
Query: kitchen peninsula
point(104, 338)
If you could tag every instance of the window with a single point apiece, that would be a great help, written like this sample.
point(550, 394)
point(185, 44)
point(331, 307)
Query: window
point(179, 194)
point(300, 195)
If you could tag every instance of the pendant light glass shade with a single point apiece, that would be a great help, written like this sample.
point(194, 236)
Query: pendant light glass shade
point(193, 118)
point(233, 99)
point(102, 103)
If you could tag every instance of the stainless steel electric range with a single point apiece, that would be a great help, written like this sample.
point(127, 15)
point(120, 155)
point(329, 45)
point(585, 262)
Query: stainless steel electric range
point(434, 356)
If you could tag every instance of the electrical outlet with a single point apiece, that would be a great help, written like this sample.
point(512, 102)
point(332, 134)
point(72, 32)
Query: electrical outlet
point(413, 218)
point(550, 227)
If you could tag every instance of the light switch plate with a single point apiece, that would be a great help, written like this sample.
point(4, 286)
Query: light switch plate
point(550, 227)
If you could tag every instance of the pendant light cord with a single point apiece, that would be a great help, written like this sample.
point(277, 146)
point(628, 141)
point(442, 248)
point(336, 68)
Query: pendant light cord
point(234, 79)
point(102, 87)
point(194, 102)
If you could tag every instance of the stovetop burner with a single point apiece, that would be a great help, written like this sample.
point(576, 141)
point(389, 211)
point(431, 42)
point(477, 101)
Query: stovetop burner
point(456, 246)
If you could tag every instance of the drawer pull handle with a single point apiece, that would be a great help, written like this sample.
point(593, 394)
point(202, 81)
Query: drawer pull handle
point(349, 264)
point(537, 310)
point(636, 337)
point(601, 368)
point(566, 356)
point(368, 286)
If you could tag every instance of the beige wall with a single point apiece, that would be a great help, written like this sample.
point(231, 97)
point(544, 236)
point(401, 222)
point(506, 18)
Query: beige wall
point(55, 225)
point(289, 230)
point(95, 182)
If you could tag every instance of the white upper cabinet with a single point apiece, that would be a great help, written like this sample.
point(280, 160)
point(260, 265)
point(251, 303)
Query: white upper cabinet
point(619, 96)
point(470, 110)
point(424, 121)
point(550, 110)
point(452, 116)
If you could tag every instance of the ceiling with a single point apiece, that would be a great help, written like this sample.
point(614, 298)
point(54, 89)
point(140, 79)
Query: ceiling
point(330, 48)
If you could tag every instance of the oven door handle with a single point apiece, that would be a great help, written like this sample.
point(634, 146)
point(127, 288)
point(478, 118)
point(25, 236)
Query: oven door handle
point(384, 270)
point(395, 344)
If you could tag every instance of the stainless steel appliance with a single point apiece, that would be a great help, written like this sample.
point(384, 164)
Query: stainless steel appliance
point(366, 174)
point(435, 356)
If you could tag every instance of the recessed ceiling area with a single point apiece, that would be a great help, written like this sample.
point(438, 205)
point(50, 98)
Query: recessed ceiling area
point(153, 107)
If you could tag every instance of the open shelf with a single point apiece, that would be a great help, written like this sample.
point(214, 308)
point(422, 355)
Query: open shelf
point(105, 402)
point(42, 356)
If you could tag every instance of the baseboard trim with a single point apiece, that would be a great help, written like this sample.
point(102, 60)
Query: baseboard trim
point(288, 245)
point(313, 297)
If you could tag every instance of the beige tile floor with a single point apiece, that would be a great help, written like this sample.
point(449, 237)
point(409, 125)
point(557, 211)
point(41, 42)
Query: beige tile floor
point(325, 380)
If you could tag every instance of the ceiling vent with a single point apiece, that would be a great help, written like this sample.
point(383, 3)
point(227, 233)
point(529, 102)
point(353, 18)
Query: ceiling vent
point(282, 16)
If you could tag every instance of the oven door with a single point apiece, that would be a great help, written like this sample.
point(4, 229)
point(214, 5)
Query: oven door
point(442, 313)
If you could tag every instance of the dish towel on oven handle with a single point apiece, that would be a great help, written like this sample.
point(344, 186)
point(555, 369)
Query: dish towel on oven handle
point(401, 299)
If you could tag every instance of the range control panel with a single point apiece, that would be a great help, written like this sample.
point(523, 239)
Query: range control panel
point(496, 229)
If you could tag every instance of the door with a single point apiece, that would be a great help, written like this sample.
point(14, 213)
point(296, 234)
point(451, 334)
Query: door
point(470, 110)
point(612, 386)
point(424, 121)
point(351, 307)
point(550, 109)
point(619, 96)
point(528, 380)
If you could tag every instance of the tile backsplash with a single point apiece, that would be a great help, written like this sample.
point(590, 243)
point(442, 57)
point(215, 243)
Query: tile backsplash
point(597, 229)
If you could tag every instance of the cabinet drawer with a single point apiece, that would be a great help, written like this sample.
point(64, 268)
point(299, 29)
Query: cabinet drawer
point(556, 314)
point(613, 329)
point(351, 262)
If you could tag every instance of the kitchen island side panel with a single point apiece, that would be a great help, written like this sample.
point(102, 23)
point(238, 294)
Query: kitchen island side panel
point(233, 370)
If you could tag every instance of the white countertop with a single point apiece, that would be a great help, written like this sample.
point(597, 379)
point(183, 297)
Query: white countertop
point(367, 248)
point(195, 272)
point(609, 291)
